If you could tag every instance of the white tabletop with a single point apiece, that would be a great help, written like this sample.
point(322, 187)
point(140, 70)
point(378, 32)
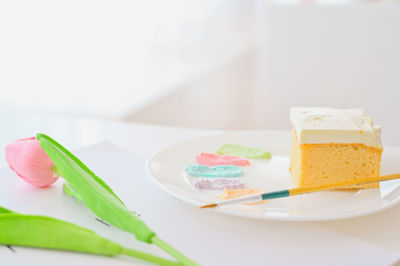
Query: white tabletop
point(207, 237)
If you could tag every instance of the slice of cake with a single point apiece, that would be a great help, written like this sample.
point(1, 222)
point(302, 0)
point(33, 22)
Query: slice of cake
point(333, 145)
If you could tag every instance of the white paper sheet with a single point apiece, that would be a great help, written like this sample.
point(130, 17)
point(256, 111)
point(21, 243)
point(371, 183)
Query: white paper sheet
point(207, 237)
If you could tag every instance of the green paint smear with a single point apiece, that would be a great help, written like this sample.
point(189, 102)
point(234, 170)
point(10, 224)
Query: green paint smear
point(85, 186)
point(243, 151)
point(50, 233)
point(200, 170)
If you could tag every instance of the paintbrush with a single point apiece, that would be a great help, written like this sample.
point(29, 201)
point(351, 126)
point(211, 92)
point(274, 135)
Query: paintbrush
point(299, 191)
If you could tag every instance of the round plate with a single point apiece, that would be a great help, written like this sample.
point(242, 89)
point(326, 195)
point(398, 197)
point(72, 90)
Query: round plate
point(166, 170)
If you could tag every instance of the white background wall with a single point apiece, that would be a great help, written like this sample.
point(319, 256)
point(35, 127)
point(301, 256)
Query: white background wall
point(340, 56)
point(106, 58)
point(226, 64)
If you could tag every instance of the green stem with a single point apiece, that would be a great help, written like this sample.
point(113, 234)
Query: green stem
point(148, 257)
point(173, 252)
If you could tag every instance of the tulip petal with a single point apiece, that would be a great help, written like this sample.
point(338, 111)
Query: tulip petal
point(30, 162)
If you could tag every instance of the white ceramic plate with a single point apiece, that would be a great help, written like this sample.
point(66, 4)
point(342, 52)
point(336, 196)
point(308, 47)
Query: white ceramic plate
point(166, 170)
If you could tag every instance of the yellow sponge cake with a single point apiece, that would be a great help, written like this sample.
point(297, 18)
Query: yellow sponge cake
point(333, 145)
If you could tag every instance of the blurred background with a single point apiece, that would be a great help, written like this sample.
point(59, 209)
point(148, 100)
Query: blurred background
point(214, 64)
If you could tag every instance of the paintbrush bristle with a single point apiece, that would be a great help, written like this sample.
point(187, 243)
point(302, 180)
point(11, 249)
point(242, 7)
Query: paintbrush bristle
point(212, 205)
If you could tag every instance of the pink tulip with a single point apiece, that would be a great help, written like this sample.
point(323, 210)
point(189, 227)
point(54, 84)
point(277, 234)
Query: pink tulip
point(28, 159)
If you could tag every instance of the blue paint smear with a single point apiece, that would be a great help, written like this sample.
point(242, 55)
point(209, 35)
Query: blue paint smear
point(199, 170)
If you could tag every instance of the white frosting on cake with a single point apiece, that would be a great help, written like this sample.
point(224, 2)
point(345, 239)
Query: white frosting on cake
point(329, 125)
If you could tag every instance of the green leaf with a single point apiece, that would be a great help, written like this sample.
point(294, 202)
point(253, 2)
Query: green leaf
point(99, 197)
point(4, 210)
point(71, 192)
point(93, 191)
point(46, 232)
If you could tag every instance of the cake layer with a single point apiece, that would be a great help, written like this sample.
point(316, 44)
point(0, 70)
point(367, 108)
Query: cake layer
point(315, 125)
point(317, 164)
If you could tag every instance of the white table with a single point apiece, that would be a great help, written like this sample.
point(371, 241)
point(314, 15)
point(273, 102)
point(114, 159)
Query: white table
point(197, 233)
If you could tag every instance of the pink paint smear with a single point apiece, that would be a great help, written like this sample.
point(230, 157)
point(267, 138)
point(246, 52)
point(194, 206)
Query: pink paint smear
point(212, 159)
